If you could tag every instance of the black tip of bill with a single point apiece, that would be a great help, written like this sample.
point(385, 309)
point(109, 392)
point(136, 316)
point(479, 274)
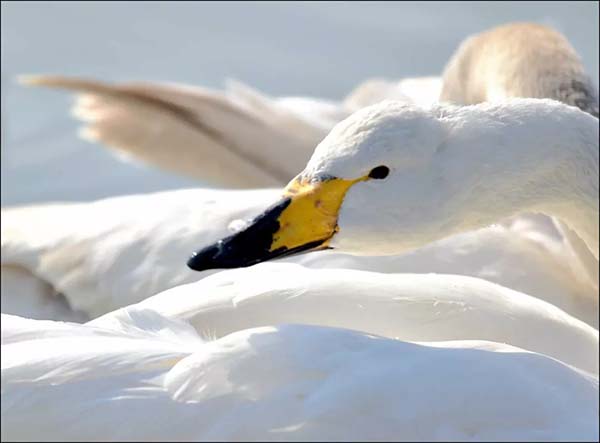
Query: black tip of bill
point(250, 246)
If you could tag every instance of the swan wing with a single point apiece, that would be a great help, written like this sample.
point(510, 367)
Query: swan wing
point(237, 138)
point(412, 307)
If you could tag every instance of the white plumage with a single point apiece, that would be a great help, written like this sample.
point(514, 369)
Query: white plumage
point(139, 375)
point(410, 307)
point(282, 352)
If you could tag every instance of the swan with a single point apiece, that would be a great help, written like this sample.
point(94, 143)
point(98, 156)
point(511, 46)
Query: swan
point(241, 137)
point(157, 367)
point(394, 177)
point(184, 366)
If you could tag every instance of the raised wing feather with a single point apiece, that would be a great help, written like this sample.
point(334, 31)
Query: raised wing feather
point(228, 139)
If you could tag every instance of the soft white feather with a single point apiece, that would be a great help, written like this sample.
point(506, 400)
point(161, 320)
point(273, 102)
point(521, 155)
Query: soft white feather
point(292, 382)
point(413, 307)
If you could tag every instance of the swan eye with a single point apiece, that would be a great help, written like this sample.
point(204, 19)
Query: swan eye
point(380, 172)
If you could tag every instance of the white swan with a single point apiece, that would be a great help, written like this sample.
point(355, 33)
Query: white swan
point(244, 138)
point(225, 390)
point(148, 374)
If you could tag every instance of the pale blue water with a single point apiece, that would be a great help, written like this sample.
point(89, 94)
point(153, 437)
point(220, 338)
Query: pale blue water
point(321, 49)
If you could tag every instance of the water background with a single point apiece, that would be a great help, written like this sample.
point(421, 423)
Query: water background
point(318, 49)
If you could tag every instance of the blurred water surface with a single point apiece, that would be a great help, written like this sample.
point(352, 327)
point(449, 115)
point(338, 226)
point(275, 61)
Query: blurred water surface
point(319, 49)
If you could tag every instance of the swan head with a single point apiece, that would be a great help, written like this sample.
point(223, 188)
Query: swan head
point(367, 189)
point(394, 177)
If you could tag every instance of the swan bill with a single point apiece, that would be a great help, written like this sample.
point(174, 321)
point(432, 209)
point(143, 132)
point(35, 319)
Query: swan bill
point(304, 219)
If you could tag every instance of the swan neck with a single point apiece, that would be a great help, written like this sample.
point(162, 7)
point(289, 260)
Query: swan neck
point(544, 161)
